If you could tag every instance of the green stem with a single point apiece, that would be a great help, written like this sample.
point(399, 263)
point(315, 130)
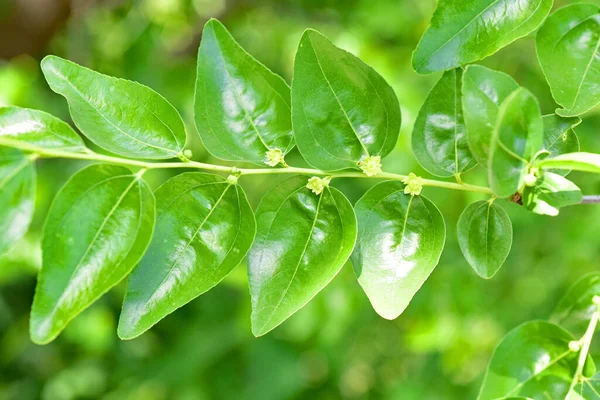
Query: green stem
point(585, 341)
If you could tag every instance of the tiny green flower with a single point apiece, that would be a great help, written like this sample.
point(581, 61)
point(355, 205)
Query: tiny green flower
point(232, 179)
point(529, 180)
point(414, 184)
point(370, 165)
point(574, 345)
point(273, 157)
point(188, 153)
point(317, 185)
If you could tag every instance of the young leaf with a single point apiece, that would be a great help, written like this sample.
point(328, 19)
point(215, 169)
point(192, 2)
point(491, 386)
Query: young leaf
point(39, 129)
point(342, 109)
point(559, 136)
point(575, 308)
point(550, 193)
point(17, 196)
point(567, 48)
point(204, 228)
point(529, 358)
point(460, 34)
point(121, 116)
point(516, 139)
point(483, 91)
point(97, 229)
point(485, 237)
point(399, 243)
point(586, 162)
point(242, 109)
point(439, 138)
point(302, 241)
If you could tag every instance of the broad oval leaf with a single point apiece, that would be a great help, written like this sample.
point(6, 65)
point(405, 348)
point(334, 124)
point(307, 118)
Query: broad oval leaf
point(551, 192)
point(242, 109)
point(121, 116)
point(461, 33)
point(586, 162)
point(575, 308)
point(531, 357)
point(97, 229)
point(400, 241)
point(439, 138)
point(483, 91)
point(342, 109)
point(567, 48)
point(204, 228)
point(17, 196)
point(38, 129)
point(302, 242)
point(560, 136)
point(485, 237)
point(516, 139)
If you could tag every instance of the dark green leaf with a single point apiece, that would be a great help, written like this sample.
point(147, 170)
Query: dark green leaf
point(122, 116)
point(485, 237)
point(576, 307)
point(399, 243)
point(97, 229)
point(586, 162)
point(302, 241)
point(342, 109)
point(204, 228)
point(242, 109)
point(550, 193)
point(559, 136)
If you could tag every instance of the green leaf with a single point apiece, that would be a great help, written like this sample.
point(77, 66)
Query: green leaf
point(38, 129)
point(532, 358)
point(242, 109)
point(516, 139)
point(575, 308)
point(342, 109)
point(121, 116)
point(400, 240)
point(17, 196)
point(460, 34)
point(485, 237)
point(550, 193)
point(560, 136)
point(483, 92)
point(439, 138)
point(588, 389)
point(586, 162)
point(97, 229)
point(204, 229)
point(302, 242)
point(567, 47)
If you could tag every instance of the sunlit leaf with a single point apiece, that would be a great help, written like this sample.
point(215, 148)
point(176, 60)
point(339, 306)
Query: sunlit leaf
point(587, 162)
point(560, 136)
point(575, 308)
point(550, 193)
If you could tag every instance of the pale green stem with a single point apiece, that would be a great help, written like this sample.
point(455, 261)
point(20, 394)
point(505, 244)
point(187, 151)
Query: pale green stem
point(585, 341)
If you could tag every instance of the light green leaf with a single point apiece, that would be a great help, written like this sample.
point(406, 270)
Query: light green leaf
point(400, 240)
point(342, 109)
point(550, 193)
point(17, 196)
point(586, 162)
point(38, 129)
point(575, 308)
point(302, 242)
point(483, 92)
point(567, 47)
point(204, 228)
point(560, 136)
point(97, 229)
point(517, 137)
point(485, 237)
point(439, 138)
point(461, 33)
point(121, 116)
point(242, 109)
point(587, 389)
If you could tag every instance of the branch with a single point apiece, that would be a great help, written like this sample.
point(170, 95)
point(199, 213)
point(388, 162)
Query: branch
point(593, 199)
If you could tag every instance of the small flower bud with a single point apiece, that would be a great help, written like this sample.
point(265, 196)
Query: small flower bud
point(317, 185)
point(529, 180)
point(273, 157)
point(574, 345)
point(596, 300)
point(370, 165)
point(232, 179)
point(187, 153)
point(414, 184)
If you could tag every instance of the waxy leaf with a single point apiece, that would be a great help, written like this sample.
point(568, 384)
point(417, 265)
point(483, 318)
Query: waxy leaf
point(342, 109)
point(204, 228)
point(38, 129)
point(567, 47)
point(550, 193)
point(576, 307)
point(302, 242)
point(439, 138)
point(17, 196)
point(528, 358)
point(483, 91)
point(485, 237)
point(399, 243)
point(559, 136)
point(586, 162)
point(516, 139)
point(242, 109)
point(461, 33)
point(97, 229)
point(121, 116)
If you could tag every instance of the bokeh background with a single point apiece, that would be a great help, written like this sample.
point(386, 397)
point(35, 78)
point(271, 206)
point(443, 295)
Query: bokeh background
point(336, 347)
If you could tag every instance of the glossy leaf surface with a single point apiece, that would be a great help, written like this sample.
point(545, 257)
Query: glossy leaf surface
point(302, 242)
point(461, 33)
point(204, 228)
point(342, 109)
point(576, 307)
point(439, 138)
point(97, 229)
point(399, 243)
point(242, 109)
point(550, 193)
point(485, 237)
point(121, 116)
point(560, 136)
point(567, 47)
point(586, 162)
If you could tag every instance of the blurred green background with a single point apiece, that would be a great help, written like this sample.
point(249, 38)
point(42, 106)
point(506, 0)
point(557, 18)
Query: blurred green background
point(336, 347)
